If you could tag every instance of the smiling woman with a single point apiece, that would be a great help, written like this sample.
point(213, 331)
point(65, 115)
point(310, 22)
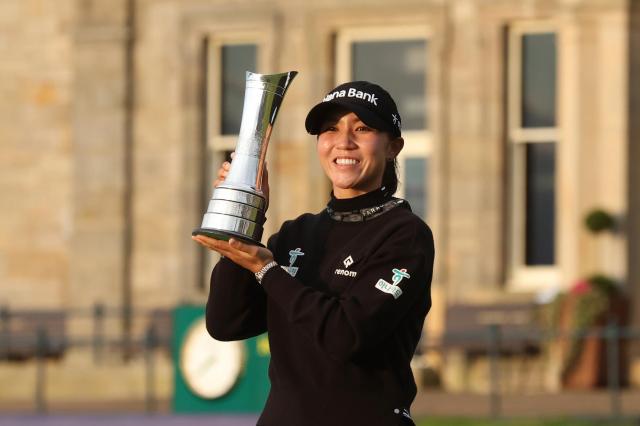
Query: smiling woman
point(354, 155)
point(345, 310)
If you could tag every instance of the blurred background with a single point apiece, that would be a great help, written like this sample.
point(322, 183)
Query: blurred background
point(522, 129)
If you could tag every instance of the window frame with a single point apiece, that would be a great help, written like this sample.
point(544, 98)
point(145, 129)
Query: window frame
point(520, 276)
point(418, 143)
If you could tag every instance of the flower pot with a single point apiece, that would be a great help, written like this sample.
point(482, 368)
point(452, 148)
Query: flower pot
point(585, 357)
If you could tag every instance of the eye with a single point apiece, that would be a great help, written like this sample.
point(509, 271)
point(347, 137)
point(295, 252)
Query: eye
point(364, 128)
point(328, 128)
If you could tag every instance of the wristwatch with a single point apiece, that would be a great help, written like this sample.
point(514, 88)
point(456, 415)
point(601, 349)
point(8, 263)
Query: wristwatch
point(260, 274)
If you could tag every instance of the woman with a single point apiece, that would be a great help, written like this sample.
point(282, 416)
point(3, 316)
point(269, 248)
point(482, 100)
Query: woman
point(345, 310)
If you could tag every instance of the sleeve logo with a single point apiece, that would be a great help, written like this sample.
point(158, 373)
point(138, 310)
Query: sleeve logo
point(293, 255)
point(393, 289)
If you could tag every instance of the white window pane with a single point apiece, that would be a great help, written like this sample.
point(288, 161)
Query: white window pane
point(236, 61)
point(400, 67)
point(415, 191)
point(540, 204)
point(539, 80)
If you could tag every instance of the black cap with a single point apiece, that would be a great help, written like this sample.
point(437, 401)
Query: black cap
point(370, 102)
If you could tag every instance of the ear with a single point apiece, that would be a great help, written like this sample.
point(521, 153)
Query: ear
point(394, 147)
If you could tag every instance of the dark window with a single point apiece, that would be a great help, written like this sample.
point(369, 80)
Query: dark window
point(539, 80)
point(416, 169)
point(540, 203)
point(236, 60)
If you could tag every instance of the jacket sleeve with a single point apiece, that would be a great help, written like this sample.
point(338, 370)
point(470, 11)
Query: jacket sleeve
point(237, 305)
point(345, 325)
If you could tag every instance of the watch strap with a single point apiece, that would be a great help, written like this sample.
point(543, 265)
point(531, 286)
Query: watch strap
point(260, 274)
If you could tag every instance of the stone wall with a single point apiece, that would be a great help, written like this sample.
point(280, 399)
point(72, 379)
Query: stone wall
point(36, 152)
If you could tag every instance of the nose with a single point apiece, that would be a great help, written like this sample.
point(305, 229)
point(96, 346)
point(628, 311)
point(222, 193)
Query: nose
point(345, 140)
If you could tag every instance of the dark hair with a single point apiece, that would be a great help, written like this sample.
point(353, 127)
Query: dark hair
point(390, 176)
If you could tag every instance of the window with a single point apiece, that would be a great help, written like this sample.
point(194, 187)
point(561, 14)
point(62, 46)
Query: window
point(533, 136)
point(396, 59)
point(227, 64)
point(234, 61)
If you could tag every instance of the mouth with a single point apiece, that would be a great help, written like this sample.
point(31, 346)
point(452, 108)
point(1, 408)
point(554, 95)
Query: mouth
point(346, 161)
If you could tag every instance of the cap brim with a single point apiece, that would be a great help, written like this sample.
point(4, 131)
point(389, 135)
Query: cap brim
point(319, 113)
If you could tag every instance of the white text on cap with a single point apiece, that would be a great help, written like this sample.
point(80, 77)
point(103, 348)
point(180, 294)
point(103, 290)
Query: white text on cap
point(352, 93)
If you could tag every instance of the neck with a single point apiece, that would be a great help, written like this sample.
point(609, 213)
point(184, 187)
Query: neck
point(364, 200)
point(343, 193)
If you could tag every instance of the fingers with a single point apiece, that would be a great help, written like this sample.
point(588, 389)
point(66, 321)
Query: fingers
point(232, 247)
point(223, 248)
point(248, 256)
point(223, 171)
point(265, 183)
point(236, 244)
point(258, 255)
point(207, 242)
point(246, 248)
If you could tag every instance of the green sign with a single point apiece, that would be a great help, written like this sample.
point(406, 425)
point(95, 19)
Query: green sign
point(213, 376)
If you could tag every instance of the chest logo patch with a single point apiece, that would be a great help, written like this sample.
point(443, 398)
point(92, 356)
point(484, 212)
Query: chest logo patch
point(347, 262)
point(392, 288)
point(293, 255)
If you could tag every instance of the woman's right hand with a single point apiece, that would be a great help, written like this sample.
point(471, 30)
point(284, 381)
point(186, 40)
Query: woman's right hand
point(223, 171)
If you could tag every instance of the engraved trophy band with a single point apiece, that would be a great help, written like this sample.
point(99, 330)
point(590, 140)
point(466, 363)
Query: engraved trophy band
point(238, 205)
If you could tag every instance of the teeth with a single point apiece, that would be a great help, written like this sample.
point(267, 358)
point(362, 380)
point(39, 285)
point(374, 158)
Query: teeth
point(346, 161)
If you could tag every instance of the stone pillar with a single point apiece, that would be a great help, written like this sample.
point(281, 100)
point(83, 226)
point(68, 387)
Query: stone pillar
point(633, 215)
point(473, 223)
point(100, 138)
point(160, 159)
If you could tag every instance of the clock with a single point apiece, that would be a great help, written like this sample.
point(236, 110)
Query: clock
point(210, 368)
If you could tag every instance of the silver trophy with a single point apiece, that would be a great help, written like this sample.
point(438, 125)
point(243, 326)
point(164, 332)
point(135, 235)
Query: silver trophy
point(238, 205)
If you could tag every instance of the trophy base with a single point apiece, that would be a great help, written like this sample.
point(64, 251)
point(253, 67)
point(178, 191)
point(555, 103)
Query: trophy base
point(224, 235)
point(234, 213)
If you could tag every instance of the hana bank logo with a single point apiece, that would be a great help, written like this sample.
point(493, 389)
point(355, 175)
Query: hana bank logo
point(352, 93)
point(392, 288)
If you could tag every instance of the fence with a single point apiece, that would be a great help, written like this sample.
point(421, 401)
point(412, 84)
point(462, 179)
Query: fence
point(616, 341)
point(154, 335)
point(43, 335)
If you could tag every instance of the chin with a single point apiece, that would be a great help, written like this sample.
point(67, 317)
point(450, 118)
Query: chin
point(344, 187)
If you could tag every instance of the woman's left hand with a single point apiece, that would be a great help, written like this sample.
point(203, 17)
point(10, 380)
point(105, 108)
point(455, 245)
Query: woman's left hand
point(248, 256)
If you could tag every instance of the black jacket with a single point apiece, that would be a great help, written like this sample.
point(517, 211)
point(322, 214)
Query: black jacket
point(343, 330)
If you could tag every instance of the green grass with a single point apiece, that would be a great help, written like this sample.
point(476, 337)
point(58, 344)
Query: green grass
point(453, 421)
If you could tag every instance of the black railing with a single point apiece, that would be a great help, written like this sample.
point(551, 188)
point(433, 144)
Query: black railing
point(495, 339)
point(39, 340)
point(41, 335)
point(19, 331)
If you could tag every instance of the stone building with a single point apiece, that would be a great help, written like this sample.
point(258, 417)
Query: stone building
point(520, 117)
